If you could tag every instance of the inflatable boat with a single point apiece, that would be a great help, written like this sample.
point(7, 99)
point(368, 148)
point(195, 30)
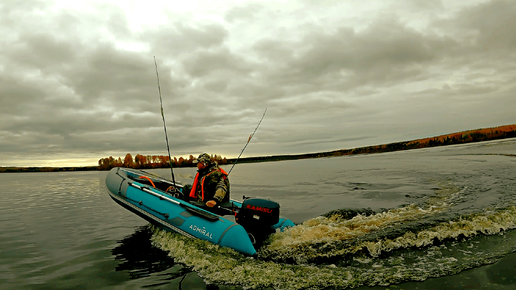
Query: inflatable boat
point(242, 226)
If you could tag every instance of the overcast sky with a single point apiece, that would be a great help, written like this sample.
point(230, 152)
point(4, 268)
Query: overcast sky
point(78, 82)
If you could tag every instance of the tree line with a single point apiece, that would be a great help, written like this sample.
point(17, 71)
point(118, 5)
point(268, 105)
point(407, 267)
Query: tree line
point(160, 161)
point(508, 131)
point(47, 169)
point(478, 135)
point(152, 161)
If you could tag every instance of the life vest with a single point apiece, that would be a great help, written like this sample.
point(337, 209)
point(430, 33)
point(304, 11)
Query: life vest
point(193, 192)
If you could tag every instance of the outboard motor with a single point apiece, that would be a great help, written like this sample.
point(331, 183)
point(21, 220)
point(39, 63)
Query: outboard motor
point(257, 216)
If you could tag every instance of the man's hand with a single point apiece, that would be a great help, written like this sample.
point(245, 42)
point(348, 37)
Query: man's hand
point(211, 203)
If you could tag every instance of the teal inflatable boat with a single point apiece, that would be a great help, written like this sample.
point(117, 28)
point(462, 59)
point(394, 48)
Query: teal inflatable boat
point(242, 226)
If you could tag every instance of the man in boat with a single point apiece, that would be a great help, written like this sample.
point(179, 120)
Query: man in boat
point(211, 183)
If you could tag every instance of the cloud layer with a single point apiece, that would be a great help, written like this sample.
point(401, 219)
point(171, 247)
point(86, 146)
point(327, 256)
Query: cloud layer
point(78, 82)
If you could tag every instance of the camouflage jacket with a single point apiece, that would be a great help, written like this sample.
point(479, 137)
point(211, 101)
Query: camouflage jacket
point(211, 183)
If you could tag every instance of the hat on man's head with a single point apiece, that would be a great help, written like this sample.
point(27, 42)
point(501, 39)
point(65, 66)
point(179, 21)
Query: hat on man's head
point(204, 158)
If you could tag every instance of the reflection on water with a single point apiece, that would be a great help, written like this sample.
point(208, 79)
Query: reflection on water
point(137, 256)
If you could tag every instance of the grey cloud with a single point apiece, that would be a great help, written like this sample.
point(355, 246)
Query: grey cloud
point(118, 23)
point(385, 53)
point(184, 39)
point(14, 94)
point(207, 62)
point(273, 50)
point(13, 9)
point(93, 96)
point(40, 50)
point(315, 140)
point(255, 93)
point(490, 25)
point(218, 86)
point(67, 91)
point(305, 106)
point(118, 77)
point(243, 13)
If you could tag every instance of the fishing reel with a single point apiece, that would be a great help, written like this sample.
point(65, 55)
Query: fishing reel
point(175, 192)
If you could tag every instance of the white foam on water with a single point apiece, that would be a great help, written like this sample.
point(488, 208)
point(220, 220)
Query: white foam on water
point(411, 256)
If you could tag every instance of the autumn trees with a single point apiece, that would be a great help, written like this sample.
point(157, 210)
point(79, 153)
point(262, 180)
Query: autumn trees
point(152, 161)
point(110, 162)
point(501, 132)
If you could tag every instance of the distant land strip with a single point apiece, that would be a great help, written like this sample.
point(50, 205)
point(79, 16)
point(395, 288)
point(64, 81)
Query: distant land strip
point(160, 161)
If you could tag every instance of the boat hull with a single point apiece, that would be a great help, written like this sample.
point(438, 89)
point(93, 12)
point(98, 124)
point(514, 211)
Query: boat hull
point(144, 194)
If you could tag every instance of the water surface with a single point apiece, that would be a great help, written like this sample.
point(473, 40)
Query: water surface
point(438, 218)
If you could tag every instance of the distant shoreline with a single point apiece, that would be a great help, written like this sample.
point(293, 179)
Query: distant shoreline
point(471, 136)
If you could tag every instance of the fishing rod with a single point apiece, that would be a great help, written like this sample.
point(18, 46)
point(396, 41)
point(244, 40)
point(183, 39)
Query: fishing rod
point(248, 140)
point(164, 125)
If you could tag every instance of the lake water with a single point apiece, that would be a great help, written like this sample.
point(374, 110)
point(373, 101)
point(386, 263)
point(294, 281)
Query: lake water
point(439, 218)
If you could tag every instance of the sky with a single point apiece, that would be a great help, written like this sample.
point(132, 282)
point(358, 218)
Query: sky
point(78, 80)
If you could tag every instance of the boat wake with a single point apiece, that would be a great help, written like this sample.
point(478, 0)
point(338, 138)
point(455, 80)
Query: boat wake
point(348, 249)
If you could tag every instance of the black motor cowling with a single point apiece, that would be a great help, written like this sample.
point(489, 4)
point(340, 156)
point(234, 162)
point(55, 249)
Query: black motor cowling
point(257, 216)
